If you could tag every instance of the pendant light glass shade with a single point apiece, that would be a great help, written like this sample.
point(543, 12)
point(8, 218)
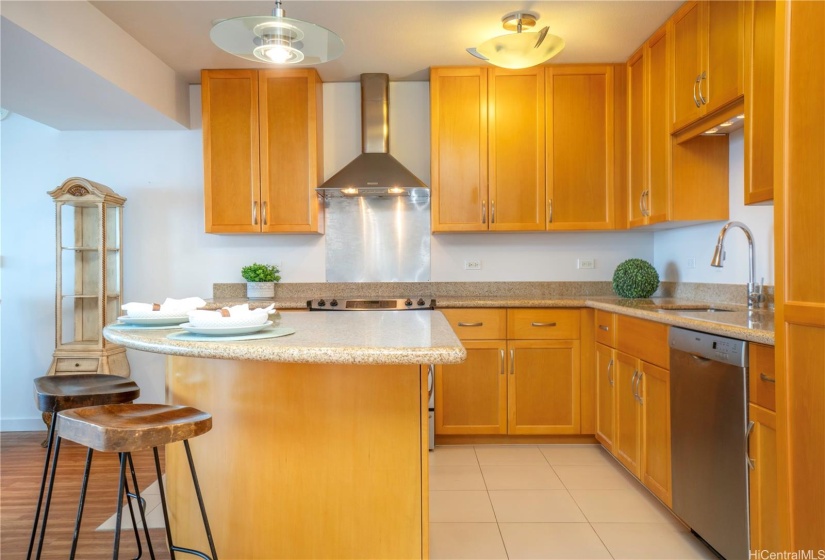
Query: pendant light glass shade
point(522, 49)
point(277, 39)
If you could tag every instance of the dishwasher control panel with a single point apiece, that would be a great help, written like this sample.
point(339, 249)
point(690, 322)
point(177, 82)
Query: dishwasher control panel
point(710, 346)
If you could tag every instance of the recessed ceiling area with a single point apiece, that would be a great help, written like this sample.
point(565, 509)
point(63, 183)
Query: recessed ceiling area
point(401, 38)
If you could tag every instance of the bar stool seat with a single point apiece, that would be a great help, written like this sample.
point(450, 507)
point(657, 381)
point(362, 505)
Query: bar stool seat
point(61, 392)
point(132, 427)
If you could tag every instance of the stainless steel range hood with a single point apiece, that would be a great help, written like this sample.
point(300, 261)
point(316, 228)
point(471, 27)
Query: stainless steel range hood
point(375, 172)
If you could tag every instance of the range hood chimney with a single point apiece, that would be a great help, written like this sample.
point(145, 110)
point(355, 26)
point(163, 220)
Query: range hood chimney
point(375, 172)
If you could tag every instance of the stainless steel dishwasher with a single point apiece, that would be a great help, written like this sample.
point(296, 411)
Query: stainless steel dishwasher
point(709, 429)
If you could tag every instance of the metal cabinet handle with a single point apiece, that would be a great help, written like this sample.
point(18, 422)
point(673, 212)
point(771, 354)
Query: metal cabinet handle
point(255, 213)
point(642, 203)
point(638, 389)
point(703, 76)
point(483, 211)
point(263, 213)
point(767, 379)
point(501, 362)
point(610, 372)
point(604, 327)
point(512, 361)
point(646, 202)
point(748, 460)
point(696, 99)
point(550, 210)
point(633, 384)
point(461, 324)
point(493, 211)
point(534, 324)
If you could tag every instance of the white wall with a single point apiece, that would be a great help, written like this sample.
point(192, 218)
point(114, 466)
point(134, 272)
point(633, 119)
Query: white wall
point(673, 248)
point(166, 252)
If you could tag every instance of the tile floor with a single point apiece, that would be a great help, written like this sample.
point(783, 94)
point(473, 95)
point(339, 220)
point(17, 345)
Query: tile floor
point(543, 501)
point(533, 502)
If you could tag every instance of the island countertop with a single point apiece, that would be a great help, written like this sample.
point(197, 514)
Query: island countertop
point(365, 338)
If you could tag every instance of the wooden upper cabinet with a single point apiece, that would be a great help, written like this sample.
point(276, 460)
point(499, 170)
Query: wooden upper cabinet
point(760, 46)
point(458, 112)
point(707, 58)
point(657, 200)
point(580, 146)
point(516, 149)
point(637, 137)
point(262, 151)
point(232, 185)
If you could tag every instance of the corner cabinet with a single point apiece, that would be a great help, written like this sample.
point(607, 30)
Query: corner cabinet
point(262, 146)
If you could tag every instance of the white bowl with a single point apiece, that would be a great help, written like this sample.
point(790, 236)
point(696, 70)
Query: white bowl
point(213, 319)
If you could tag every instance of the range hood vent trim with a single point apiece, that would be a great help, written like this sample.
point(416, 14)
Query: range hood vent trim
point(375, 172)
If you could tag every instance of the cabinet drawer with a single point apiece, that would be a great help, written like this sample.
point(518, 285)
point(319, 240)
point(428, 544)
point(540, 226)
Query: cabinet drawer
point(477, 324)
point(642, 339)
point(606, 328)
point(762, 386)
point(65, 365)
point(543, 324)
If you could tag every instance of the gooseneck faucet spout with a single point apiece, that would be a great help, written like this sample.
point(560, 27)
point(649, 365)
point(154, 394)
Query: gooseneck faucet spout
point(754, 290)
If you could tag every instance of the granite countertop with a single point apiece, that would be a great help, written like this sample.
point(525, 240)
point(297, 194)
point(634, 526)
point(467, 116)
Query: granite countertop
point(390, 337)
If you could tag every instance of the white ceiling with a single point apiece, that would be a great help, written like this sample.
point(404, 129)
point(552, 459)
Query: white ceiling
point(402, 38)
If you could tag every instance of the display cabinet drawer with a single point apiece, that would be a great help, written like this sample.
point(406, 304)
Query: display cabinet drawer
point(477, 324)
point(543, 324)
point(65, 365)
point(606, 328)
point(762, 386)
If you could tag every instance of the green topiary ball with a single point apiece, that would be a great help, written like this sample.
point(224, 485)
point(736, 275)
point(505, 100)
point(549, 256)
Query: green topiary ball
point(635, 278)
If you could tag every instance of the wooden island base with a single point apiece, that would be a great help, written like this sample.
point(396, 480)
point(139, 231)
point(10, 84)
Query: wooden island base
point(303, 460)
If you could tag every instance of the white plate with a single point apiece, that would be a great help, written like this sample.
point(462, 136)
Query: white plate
point(153, 320)
point(223, 331)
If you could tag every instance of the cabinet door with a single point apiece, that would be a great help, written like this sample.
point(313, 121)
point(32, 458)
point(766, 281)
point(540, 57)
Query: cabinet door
point(543, 391)
point(471, 397)
point(291, 166)
point(654, 390)
point(458, 113)
point(516, 149)
point(763, 492)
point(724, 70)
point(230, 151)
point(605, 383)
point(686, 56)
point(627, 441)
point(579, 147)
point(636, 139)
point(657, 201)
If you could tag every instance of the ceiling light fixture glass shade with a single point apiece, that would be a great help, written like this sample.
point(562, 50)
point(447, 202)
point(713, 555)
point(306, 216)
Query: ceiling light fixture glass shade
point(277, 39)
point(521, 49)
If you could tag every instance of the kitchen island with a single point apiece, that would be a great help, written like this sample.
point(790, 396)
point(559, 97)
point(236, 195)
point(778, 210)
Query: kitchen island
point(319, 440)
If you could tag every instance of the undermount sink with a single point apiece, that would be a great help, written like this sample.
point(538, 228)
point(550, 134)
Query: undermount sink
point(691, 308)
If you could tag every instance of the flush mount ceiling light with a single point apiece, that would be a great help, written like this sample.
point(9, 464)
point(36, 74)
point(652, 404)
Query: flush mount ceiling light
point(521, 49)
point(276, 39)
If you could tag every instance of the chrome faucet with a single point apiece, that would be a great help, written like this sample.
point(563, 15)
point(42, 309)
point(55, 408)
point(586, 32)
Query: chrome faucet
point(755, 296)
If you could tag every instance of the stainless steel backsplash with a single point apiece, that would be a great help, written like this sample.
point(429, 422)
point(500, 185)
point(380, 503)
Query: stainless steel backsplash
point(378, 239)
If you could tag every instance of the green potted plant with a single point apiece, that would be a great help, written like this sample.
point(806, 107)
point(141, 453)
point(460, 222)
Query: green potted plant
point(260, 280)
point(635, 278)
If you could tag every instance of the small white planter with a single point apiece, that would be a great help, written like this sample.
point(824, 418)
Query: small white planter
point(260, 290)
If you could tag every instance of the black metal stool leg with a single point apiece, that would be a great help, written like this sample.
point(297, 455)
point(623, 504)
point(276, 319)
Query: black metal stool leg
point(129, 496)
point(50, 440)
point(142, 509)
point(48, 497)
point(119, 517)
point(163, 505)
point(200, 500)
point(81, 503)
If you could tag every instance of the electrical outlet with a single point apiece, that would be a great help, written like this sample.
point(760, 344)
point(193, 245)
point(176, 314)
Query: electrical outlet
point(586, 263)
point(691, 262)
point(474, 264)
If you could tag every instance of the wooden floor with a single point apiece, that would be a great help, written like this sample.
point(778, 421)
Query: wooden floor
point(21, 466)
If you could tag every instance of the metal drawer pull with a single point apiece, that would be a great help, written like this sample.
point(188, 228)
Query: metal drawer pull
point(483, 211)
point(534, 324)
point(610, 372)
point(604, 327)
point(501, 362)
point(748, 459)
point(767, 379)
point(462, 324)
point(512, 361)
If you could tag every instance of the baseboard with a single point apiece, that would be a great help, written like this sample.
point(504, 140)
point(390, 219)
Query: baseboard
point(22, 425)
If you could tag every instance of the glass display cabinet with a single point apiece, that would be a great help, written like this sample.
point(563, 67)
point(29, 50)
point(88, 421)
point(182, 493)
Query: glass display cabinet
point(89, 287)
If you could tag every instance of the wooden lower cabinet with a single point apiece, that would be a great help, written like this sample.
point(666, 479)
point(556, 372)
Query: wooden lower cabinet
point(543, 392)
point(764, 490)
point(471, 397)
point(627, 442)
point(605, 395)
point(654, 392)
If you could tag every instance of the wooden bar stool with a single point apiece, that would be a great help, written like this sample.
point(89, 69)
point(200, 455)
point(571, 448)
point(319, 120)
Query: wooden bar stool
point(54, 393)
point(124, 428)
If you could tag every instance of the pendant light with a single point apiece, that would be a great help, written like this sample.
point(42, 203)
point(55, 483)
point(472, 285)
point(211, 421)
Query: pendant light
point(276, 39)
point(521, 49)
